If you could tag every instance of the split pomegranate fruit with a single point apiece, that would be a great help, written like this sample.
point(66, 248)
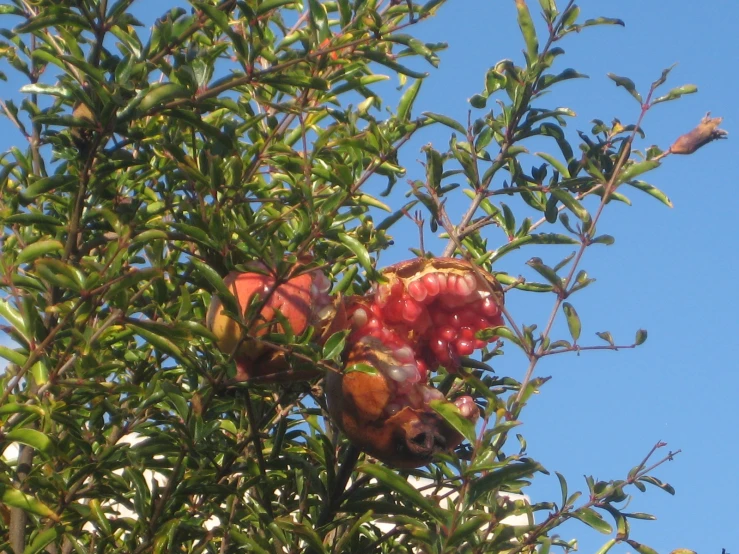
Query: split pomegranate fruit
point(427, 313)
point(302, 301)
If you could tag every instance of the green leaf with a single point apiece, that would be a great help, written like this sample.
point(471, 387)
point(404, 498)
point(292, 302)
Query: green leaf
point(33, 219)
point(562, 487)
point(156, 336)
point(334, 346)
point(39, 249)
point(56, 18)
point(606, 336)
point(434, 168)
point(573, 320)
point(13, 317)
point(676, 93)
point(639, 515)
point(392, 480)
point(478, 101)
point(593, 519)
point(430, 8)
point(554, 162)
point(58, 273)
point(454, 417)
point(157, 95)
point(406, 101)
point(216, 281)
point(569, 17)
point(46, 184)
point(641, 548)
point(501, 332)
point(537, 238)
point(608, 240)
point(367, 200)
point(303, 530)
point(382, 59)
point(505, 476)
point(528, 31)
point(636, 169)
point(448, 121)
point(391, 220)
point(269, 5)
point(651, 191)
point(641, 337)
point(52, 90)
point(494, 81)
point(13, 356)
point(359, 251)
point(464, 531)
point(295, 79)
point(573, 205)
point(548, 80)
point(603, 21)
point(101, 519)
point(31, 437)
point(42, 540)
point(545, 271)
point(657, 483)
point(18, 499)
point(361, 368)
point(607, 546)
point(628, 84)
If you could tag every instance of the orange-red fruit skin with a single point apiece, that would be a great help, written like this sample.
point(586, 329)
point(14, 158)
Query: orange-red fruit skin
point(292, 299)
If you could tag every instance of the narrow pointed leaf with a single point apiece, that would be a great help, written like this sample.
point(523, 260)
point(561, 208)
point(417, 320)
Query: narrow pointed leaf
point(628, 84)
point(31, 437)
point(593, 519)
point(399, 484)
point(528, 31)
point(676, 93)
point(18, 499)
point(39, 249)
point(453, 416)
point(573, 320)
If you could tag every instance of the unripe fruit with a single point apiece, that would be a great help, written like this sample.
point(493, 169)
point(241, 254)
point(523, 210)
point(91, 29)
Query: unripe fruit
point(302, 301)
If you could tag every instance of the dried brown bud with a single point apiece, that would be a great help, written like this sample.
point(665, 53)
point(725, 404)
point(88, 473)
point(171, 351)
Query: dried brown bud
point(706, 131)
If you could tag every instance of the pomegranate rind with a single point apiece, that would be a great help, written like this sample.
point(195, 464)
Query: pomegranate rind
point(358, 403)
point(294, 300)
point(412, 270)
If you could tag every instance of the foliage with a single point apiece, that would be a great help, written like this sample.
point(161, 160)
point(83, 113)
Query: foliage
point(158, 160)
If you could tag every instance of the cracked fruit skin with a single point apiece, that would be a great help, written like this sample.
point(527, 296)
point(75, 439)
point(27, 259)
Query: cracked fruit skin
point(365, 407)
point(302, 300)
point(427, 313)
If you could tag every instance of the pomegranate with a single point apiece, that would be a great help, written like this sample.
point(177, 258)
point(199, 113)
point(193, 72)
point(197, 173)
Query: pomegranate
point(427, 313)
point(400, 431)
point(302, 300)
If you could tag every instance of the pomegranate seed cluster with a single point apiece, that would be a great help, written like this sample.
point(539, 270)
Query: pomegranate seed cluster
point(427, 314)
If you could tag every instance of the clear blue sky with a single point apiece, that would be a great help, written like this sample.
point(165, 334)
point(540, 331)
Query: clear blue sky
point(671, 271)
